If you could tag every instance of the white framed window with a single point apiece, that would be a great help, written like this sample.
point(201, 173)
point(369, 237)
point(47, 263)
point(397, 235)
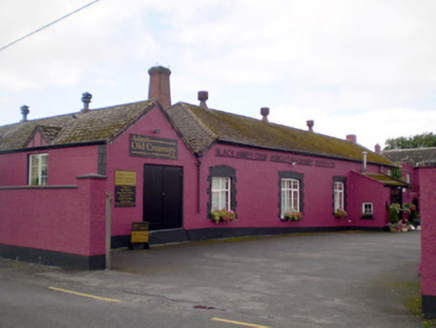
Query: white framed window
point(38, 169)
point(338, 196)
point(221, 193)
point(367, 208)
point(290, 193)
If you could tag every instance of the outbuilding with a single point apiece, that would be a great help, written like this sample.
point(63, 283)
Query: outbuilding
point(190, 171)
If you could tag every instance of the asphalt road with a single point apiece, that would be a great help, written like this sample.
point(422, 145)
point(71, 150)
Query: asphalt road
point(308, 280)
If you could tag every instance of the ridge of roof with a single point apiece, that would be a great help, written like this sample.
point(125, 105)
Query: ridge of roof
point(239, 129)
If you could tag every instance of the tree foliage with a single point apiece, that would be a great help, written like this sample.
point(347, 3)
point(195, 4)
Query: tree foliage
point(420, 140)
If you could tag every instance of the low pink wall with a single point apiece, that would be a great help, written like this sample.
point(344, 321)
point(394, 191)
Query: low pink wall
point(68, 220)
point(427, 179)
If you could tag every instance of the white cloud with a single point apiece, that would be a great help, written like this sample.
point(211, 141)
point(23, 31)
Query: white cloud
point(342, 62)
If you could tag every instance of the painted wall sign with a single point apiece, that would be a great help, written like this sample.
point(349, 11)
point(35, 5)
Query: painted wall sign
point(125, 188)
point(291, 160)
point(153, 147)
point(240, 154)
point(302, 161)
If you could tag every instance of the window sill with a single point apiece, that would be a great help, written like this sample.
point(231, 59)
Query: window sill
point(367, 217)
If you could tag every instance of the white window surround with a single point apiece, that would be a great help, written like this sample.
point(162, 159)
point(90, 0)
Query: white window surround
point(367, 208)
point(38, 169)
point(338, 195)
point(221, 193)
point(290, 193)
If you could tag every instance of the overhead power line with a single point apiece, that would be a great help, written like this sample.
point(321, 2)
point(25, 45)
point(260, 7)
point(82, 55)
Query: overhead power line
point(45, 26)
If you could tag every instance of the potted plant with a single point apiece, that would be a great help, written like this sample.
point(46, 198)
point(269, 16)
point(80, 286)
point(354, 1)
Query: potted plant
point(394, 217)
point(223, 216)
point(340, 214)
point(293, 216)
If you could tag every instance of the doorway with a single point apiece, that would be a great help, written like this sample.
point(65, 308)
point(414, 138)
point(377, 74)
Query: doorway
point(163, 195)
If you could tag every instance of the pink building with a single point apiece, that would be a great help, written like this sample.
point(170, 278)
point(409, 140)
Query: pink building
point(181, 168)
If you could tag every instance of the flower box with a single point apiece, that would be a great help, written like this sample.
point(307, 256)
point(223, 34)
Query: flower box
point(223, 216)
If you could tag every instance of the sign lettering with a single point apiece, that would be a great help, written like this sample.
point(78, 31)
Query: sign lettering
point(153, 147)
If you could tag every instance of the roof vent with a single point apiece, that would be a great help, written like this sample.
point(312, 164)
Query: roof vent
point(24, 111)
point(159, 87)
point(203, 96)
point(310, 125)
point(264, 111)
point(352, 138)
point(86, 98)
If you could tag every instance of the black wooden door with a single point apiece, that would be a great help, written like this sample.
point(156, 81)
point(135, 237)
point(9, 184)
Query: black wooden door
point(162, 201)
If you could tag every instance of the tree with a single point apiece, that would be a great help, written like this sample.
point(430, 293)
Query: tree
point(419, 141)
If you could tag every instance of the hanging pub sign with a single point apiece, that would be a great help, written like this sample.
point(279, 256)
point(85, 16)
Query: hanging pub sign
point(153, 147)
point(125, 188)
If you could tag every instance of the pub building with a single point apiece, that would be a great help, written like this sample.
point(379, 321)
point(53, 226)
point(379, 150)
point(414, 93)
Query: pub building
point(192, 172)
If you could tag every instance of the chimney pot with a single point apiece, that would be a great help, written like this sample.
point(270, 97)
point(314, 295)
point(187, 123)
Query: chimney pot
point(86, 99)
point(352, 138)
point(24, 111)
point(159, 87)
point(310, 125)
point(264, 111)
point(377, 149)
point(203, 96)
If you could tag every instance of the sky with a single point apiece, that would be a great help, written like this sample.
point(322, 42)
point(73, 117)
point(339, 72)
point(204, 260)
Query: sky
point(354, 67)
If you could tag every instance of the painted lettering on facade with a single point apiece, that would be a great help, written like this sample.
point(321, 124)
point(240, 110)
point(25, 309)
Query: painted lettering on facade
point(153, 147)
point(294, 160)
point(240, 154)
point(326, 164)
point(291, 160)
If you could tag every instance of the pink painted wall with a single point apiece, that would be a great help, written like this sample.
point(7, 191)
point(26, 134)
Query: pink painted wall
point(64, 164)
point(118, 158)
point(56, 219)
point(365, 190)
point(427, 181)
point(258, 191)
point(36, 141)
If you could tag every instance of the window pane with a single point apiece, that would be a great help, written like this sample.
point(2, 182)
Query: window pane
point(215, 183)
point(215, 201)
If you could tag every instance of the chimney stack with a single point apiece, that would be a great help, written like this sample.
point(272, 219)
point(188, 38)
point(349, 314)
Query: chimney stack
point(86, 98)
point(24, 111)
point(352, 138)
point(203, 96)
point(310, 125)
point(377, 149)
point(159, 87)
point(264, 111)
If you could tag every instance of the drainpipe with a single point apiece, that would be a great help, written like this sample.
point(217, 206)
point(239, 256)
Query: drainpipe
point(198, 184)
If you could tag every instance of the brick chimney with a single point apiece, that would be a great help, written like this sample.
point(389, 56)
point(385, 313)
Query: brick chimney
point(377, 149)
point(264, 111)
point(24, 111)
point(310, 125)
point(203, 96)
point(159, 88)
point(352, 138)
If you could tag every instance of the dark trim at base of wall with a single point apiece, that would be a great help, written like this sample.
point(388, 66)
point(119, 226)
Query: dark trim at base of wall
point(160, 237)
point(429, 306)
point(59, 259)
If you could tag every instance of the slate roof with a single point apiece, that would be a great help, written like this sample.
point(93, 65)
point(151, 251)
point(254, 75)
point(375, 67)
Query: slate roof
point(201, 127)
point(411, 156)
point(386, 180)
point(103, 124)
